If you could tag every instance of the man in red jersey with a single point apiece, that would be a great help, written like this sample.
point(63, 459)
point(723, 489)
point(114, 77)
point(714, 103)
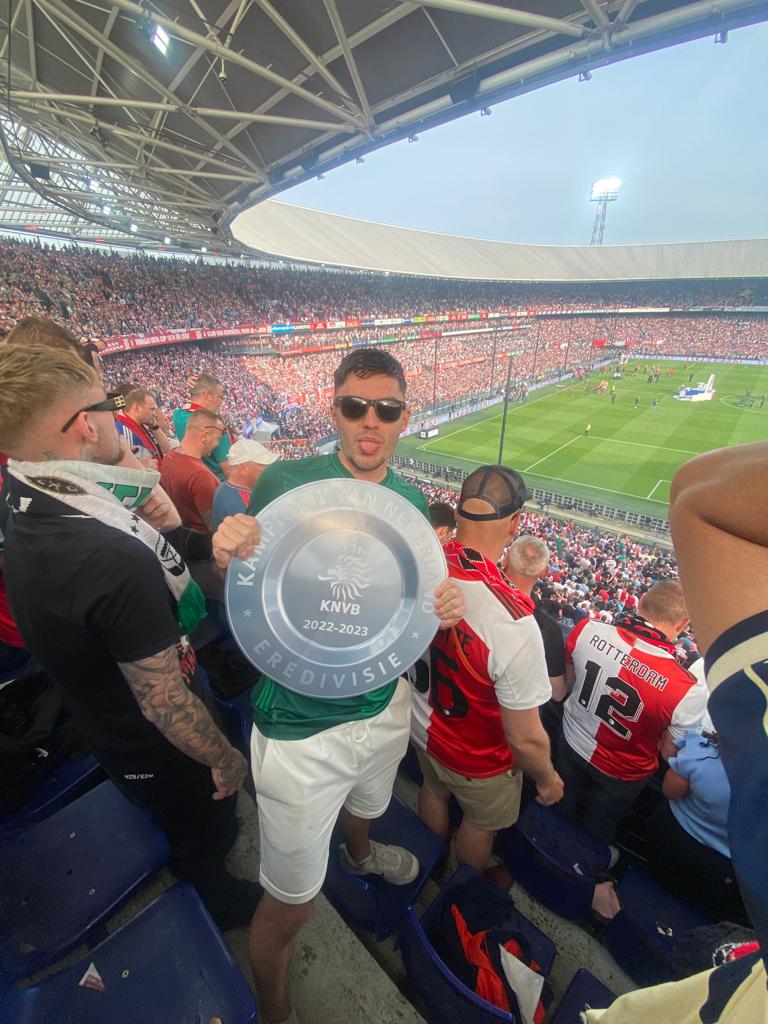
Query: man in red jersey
point(630, 699)
point(478, 727)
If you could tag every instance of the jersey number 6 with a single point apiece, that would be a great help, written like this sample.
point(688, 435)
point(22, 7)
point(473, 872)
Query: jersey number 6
point(621, 698)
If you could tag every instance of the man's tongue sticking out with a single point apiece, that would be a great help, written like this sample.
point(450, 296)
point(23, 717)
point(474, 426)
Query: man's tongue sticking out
point(369, 444)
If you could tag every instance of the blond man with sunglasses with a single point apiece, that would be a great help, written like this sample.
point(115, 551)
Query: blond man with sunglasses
point(313, 759)
point(105, 604)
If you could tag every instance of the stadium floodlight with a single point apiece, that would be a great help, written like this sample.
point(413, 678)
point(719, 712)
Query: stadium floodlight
point(604, 191)
point(204, 249)
point(106, 209)
point(134, 228)
point(161, 39)
point(166, 240)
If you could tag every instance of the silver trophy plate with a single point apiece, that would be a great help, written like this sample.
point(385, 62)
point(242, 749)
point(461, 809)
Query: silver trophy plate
point(338, 598)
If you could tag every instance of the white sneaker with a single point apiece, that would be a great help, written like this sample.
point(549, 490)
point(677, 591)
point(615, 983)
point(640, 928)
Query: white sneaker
point(393, 863)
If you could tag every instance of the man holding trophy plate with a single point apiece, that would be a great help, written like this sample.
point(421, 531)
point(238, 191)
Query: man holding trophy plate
point(340, 588)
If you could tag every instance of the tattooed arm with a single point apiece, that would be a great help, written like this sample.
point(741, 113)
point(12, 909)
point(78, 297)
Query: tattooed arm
point(170, 705)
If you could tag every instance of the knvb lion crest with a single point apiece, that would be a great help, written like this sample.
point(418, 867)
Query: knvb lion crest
point(349, 577)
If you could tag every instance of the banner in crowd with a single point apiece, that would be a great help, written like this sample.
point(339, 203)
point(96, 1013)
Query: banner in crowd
point(127, 342)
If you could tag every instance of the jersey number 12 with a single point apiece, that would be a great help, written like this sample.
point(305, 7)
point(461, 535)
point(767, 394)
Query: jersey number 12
point(621, 698)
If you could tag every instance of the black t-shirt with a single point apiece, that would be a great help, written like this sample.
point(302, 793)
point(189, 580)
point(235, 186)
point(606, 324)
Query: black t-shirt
point(554, 645)
point(86, 596)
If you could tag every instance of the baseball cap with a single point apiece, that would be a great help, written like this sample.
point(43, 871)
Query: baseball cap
point(502, 488)
point(246, 450)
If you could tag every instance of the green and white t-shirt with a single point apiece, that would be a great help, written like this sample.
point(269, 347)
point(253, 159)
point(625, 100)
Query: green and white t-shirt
point(280, 713)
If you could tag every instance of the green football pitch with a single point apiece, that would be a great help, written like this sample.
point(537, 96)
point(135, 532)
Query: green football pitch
point(631, 454)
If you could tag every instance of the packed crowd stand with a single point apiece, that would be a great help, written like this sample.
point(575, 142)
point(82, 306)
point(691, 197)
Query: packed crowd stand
point(109, 294)
point(292, 390)
point(496, 667)
point(699, 335)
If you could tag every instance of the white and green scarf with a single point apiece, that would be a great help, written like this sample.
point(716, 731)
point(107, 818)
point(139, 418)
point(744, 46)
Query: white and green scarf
point(112, 494)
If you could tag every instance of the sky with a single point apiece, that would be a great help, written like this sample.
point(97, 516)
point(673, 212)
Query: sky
point(684, 128)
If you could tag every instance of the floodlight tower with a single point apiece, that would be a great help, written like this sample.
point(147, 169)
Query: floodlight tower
point(604, 191)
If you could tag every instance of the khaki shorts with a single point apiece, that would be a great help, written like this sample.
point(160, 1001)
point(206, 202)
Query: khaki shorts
point(489, 804)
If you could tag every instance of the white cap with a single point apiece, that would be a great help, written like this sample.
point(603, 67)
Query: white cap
point(246, 450)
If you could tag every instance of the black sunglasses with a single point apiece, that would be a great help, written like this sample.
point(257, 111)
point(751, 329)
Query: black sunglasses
point(111, 403)
point(389, 410)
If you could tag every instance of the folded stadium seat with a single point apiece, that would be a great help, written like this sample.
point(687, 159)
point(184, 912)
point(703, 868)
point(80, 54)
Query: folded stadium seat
point(446, 996)
point(167, 964)
point(65, 875)
point(553, 858)
point(585, 992)
point(642, 936)
point(369, 902)
point(67, 781)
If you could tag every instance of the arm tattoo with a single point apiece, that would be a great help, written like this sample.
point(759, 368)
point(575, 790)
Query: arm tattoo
point(168, 703)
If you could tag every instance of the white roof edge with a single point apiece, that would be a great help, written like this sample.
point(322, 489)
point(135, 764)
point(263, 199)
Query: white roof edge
point(297, 233)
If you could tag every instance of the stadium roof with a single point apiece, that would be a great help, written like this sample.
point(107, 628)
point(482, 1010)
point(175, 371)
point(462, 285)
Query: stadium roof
point(295, 233)
point(175, 115)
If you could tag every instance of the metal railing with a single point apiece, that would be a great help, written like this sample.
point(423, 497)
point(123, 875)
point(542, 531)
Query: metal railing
point(439, 475)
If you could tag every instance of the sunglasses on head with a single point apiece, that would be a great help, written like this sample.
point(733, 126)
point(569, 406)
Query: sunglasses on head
point(389, 410)
point(112, 403)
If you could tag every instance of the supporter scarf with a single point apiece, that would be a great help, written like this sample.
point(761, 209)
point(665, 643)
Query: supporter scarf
point(477, 567)
point(144, 435)
point(111, 494)
point(635, 624)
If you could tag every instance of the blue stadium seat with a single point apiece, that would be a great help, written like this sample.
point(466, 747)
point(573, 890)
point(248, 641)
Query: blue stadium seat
point(67, 781)
point(585, 992)
point(65, 875)
point(552, 858)
point(447, 998)
point(368, 901)
point(167, 964)
point(543, 949)
point(642, 935)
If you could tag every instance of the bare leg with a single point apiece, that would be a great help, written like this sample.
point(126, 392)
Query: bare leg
point(356, 835)
point(473, 845)
point(273, 933)
point(433, 811)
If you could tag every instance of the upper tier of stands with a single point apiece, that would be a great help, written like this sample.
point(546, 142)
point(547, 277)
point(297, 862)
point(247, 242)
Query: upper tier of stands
point(106, 295)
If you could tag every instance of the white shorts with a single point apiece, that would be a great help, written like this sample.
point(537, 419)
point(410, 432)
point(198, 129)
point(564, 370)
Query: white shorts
point(301, 785)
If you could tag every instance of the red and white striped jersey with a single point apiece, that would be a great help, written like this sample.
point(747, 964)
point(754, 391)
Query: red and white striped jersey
point(456, 714)
point(629, 689)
